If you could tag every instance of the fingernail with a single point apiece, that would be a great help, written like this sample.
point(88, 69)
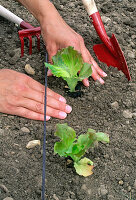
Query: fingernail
point(62, 115)
point(62, 99)
point(104, 74)
point(48, 118)
point(68, 109)
point(101, 80)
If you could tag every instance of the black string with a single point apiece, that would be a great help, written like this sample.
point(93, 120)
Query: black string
point(44, 136)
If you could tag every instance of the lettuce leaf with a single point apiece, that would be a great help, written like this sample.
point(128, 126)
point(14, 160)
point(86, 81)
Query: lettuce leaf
point(67, 136)
point(75, 147)
point(84, 167)
point(66, 64)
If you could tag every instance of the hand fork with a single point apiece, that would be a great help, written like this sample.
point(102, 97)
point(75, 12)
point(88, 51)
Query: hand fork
point(27, 31)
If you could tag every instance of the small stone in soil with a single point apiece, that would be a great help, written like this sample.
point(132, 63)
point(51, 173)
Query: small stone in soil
point(131, 54)
point(84, 187)
point(121, 182)
point(129, 188)
point(127, 114)
point(8, 198)
point(55, 197)
point(115, 105)
point(69, 161)
point(4, 188)
point(29, 69)
point(11, 53)
point(103, 190)
point(25, 130)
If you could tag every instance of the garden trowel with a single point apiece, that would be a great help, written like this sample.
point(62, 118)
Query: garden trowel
point(109, 51)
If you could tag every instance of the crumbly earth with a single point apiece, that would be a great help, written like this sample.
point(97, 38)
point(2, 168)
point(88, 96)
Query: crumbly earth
point(110, 108)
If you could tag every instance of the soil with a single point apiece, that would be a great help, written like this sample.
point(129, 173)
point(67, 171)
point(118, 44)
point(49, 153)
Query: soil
point(110, 108)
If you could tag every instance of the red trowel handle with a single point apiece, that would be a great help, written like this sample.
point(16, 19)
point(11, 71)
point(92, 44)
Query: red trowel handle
point(98, 24)
point(13, 18)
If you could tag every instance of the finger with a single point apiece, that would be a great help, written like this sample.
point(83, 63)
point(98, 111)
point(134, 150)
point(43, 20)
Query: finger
point(52, 50)
point(31, 94)
point(95, 76)
point(24, 112)
point(86, 82)
point(39, 107)
point(56, 113)
point(98, 69)
point(36, 112)
point(49, 73)
point(53, 103)
point(35, 85)
point(55, 95)
point(86, 59)
point(39, 96)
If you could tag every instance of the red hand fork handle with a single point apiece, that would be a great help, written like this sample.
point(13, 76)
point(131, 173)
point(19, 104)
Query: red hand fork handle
point(109, 51)
point(31, 31)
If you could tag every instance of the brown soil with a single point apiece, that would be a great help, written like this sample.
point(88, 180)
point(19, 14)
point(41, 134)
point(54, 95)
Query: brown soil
point(100, 107)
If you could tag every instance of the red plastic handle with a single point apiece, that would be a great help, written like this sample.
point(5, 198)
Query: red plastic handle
point(25, 25)
point(99, 27)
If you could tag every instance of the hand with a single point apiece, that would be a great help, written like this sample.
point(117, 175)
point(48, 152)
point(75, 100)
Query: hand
point(23, 96)
point(57, 35)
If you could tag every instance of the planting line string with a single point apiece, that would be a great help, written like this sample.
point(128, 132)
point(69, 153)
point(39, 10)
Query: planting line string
point(44, 136)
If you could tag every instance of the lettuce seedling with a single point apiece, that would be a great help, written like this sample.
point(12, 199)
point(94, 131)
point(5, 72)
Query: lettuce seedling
point(75, 147)
point(66, 64)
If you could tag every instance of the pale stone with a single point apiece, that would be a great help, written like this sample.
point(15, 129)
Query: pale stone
point(127, 114)
point(29, 69)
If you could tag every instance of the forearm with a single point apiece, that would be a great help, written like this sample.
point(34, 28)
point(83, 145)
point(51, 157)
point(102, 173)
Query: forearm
point(43, 10)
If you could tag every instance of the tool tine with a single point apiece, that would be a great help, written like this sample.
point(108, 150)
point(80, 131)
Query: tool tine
point(30, 44)
point(22, 45)
point(38, 41)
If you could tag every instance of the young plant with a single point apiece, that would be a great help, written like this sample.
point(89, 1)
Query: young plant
point(75, 147)
point(66, 64)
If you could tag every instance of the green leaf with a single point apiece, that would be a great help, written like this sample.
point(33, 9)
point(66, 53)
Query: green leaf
point(66, 64)
point(72, 59)
point(99, 136)
point(60, 148)
point(72, 82)
point(86, 140)
point(85, 71)
point(67, 136)
point(102, 137)
point(84, 167)
point(58, 71)
point(90, 130)
point(76, 148)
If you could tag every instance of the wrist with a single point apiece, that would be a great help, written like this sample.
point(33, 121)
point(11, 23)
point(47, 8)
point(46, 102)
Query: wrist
point(45, 11)
point(49, 16)
point(42, 10)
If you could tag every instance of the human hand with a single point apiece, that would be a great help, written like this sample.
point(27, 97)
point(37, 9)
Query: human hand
point(57, 35)
point(23, 96)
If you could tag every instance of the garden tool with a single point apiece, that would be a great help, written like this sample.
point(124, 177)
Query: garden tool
point(27, 31)
point(109, 51)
